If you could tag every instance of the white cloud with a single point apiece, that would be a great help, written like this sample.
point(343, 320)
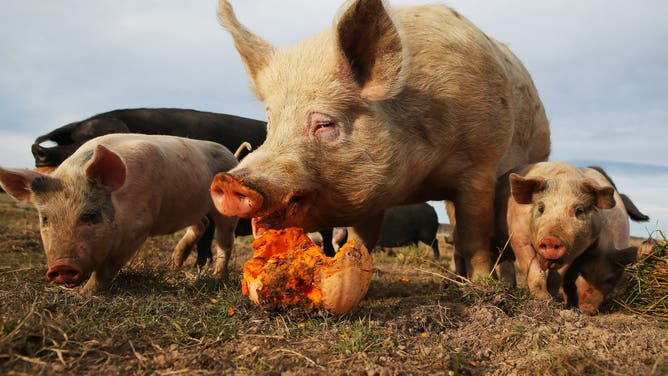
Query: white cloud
point(621, 134)
point(14, 153)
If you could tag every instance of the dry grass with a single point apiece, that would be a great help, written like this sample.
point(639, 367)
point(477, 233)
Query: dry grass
point(418, 318)
point(646, 290)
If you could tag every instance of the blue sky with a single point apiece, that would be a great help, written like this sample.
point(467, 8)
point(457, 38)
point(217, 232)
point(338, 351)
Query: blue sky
point(601, 68)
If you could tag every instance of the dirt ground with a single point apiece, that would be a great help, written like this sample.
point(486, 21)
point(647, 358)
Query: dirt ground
point(417, 318)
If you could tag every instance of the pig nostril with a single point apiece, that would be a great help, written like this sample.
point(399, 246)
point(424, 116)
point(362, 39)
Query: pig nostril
point(232, 198)
point(63, 274)
point(70, 273)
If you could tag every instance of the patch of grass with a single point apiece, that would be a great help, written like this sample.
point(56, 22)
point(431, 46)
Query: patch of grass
point(417, 318)
point(487, 291)
point(360, 336)
point(412, 255)
point(646, 291)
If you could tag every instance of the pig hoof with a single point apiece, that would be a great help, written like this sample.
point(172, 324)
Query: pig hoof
point(87, 290)
point(587, 309)
point(219, 275)
point(540, 294)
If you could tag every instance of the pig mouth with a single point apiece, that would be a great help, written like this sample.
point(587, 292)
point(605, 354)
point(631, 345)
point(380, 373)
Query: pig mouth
point(273, 207)
point(289, 214)
point(550, 264)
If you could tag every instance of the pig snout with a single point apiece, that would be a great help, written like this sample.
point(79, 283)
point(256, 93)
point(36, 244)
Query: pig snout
point(65, 274)
point(552, 250)
point(232, 198)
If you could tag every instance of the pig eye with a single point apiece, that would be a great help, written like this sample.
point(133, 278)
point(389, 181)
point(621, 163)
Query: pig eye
point(540, 208)
point(91, 218)
point(322, 126)
point(579, 211)
point(45, 220)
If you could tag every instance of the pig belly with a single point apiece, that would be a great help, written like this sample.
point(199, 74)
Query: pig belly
point(188, 215)
point(182, 207)
point(172, 190)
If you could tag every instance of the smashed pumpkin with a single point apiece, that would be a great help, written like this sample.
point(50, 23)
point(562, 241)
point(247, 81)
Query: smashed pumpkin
point(288, 270)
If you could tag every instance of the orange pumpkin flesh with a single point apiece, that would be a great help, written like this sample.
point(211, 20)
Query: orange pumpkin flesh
point(288, 270)
point(45, 169)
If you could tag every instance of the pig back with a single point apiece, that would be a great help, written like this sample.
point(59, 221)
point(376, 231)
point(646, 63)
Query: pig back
point(167, 178)
point(530, 142)
point(478, 101)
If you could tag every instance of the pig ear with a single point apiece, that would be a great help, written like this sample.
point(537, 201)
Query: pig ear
point(604, 197)
point(255, 51)
point(17, 183)
point(627, 256)
point(522, 189)
point(106, 169)
point(372, 46)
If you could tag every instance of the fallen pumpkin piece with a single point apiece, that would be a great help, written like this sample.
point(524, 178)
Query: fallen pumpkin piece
point(45, 169)
point(288, 270)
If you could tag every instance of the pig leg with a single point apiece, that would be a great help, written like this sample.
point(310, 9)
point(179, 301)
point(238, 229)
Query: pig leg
point(434, 247)
point(475, 220)
point(506, 273)
point(224, 240)
point(186, 244)
point(100, 279)
point(536, 277)
point(327, 242)
point(579, 292)
point(450, 211)
point(589, 298)
point(528, 265)
point(458, 258)
point(91, 287)
point(555, 283)
point(204, 245)
point(569, 289)
point(537, 281)
point(367, 232)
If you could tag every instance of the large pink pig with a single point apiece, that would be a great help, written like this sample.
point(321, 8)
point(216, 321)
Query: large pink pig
point(550, 214)
point(99, 206)
point(387, 107)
